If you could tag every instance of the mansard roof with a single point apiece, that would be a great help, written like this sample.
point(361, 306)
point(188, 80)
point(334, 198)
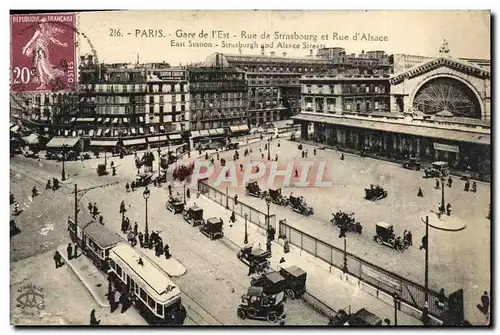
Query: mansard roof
point(453, 63)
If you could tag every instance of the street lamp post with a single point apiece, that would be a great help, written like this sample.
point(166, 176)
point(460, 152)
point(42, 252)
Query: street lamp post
point(105, 158)
point(246, 231)
point(159, 159)
point(63, 172)
point(268, 150)
point(344, 268)
point(396, 306)
point(442, 209)
point(146, 195)
point(268, 203)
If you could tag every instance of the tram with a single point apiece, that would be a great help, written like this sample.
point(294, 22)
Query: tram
point(157, 298)
point(94, 239)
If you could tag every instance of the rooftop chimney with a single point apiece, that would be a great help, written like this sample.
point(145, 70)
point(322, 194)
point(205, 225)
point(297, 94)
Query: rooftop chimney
point(273, 53)
point(262, 50)
point(284, 54)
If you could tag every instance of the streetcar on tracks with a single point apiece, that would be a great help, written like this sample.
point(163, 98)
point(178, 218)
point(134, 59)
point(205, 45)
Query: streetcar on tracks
point(157, 297)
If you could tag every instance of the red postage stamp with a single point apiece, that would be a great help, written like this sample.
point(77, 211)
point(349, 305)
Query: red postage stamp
point(43, 53)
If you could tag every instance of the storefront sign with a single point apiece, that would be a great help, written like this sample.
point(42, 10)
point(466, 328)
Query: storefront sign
point(446, 147)
point(172, 75)
point(380, 277)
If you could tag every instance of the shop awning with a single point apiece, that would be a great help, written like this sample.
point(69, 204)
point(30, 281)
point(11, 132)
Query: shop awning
point(195, 134)
point(134, 141)
point(216, 132)
point(31, 139)
point(99, 132)
point(162, 128)
point(133, 131)
point(103, 143)
point(204, 133)
point(238, 129)
point(152, 129)
point(60, 142)
point(107, 131)
point(85, 119)
point(125, 120)
point(107, 120)
point(115, 120)
point(14, 129)
point(141, 131)
point(174, 137)
point(155, 139)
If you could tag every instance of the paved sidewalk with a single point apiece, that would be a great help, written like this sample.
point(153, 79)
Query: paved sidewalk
point(331, 288)
point(93, 279)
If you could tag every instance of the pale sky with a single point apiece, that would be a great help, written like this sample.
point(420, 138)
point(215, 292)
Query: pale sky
point(411, 32)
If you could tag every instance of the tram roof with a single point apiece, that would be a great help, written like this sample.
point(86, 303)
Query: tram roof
point(151, 278)
point(102, 235)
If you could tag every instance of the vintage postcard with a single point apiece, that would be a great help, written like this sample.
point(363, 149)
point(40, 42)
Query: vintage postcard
point(269, 168)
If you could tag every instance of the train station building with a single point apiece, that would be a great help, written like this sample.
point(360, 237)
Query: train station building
point(436, 110)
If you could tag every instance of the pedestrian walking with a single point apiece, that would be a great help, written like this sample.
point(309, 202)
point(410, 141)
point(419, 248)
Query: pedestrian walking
point(342, 156)
point(342, 231)
point(485, 303)
point(218, 156)
point(420, 193)
point(95, 210)
point(93, 319)
point(131, 238)
point(241, 167)
point(437, 184)
point(136, 228)
point(113, 171)
point(303, 154)
point(127, 187)
point(314, 151)
point(122, 207)
point(114, 300)
point(448, 209)
point(466, 187)
point(166, 251)
point(112, 164)
point(286, 246)
point(282, 260)
point(101, 220)
point(69, 251)
point(232, 218)
point(268, 245)
point(57, 259)
point(262, 156)
point(188, 193)
point(450, 181)
point(409, 238)
point(141, 240)
point(296, 173)
point(169, 190)
point(276, 157)
point(90, 207)
point(307, 153)
point(474, 186)
point(132, 186)
point(158, 250)
point(236, 199)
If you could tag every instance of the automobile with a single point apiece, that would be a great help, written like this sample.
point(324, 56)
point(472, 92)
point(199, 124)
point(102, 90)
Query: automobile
point(339, 318)
point(102, 170)
point(175, 204)
point(412, 164)
point(143, 179)
point(348, 221)
point(295, 281)
point(375, 192)
point(363, 317)
point(272, 282)
point(299, 205)
point(232, 146)
point(255, 257)
point(212, 228)
point(30, 154)
point(255, 304)
point(193, 215)
point(437, 169)
point(253, 189)
point(385, 236)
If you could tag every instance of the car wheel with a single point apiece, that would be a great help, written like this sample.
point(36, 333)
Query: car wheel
point(378, 239)
point(290, 294)
point(272, 317)
point(241, 314)
point(251, 311)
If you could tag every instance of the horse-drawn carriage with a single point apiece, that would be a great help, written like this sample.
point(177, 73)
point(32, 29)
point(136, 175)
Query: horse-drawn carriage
point(375, 193)
point(299, 205)
point(277, 197)
point(346, 220)
point(412, 164)
point(385, 236)
point(232, 146)
point(253, 189)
